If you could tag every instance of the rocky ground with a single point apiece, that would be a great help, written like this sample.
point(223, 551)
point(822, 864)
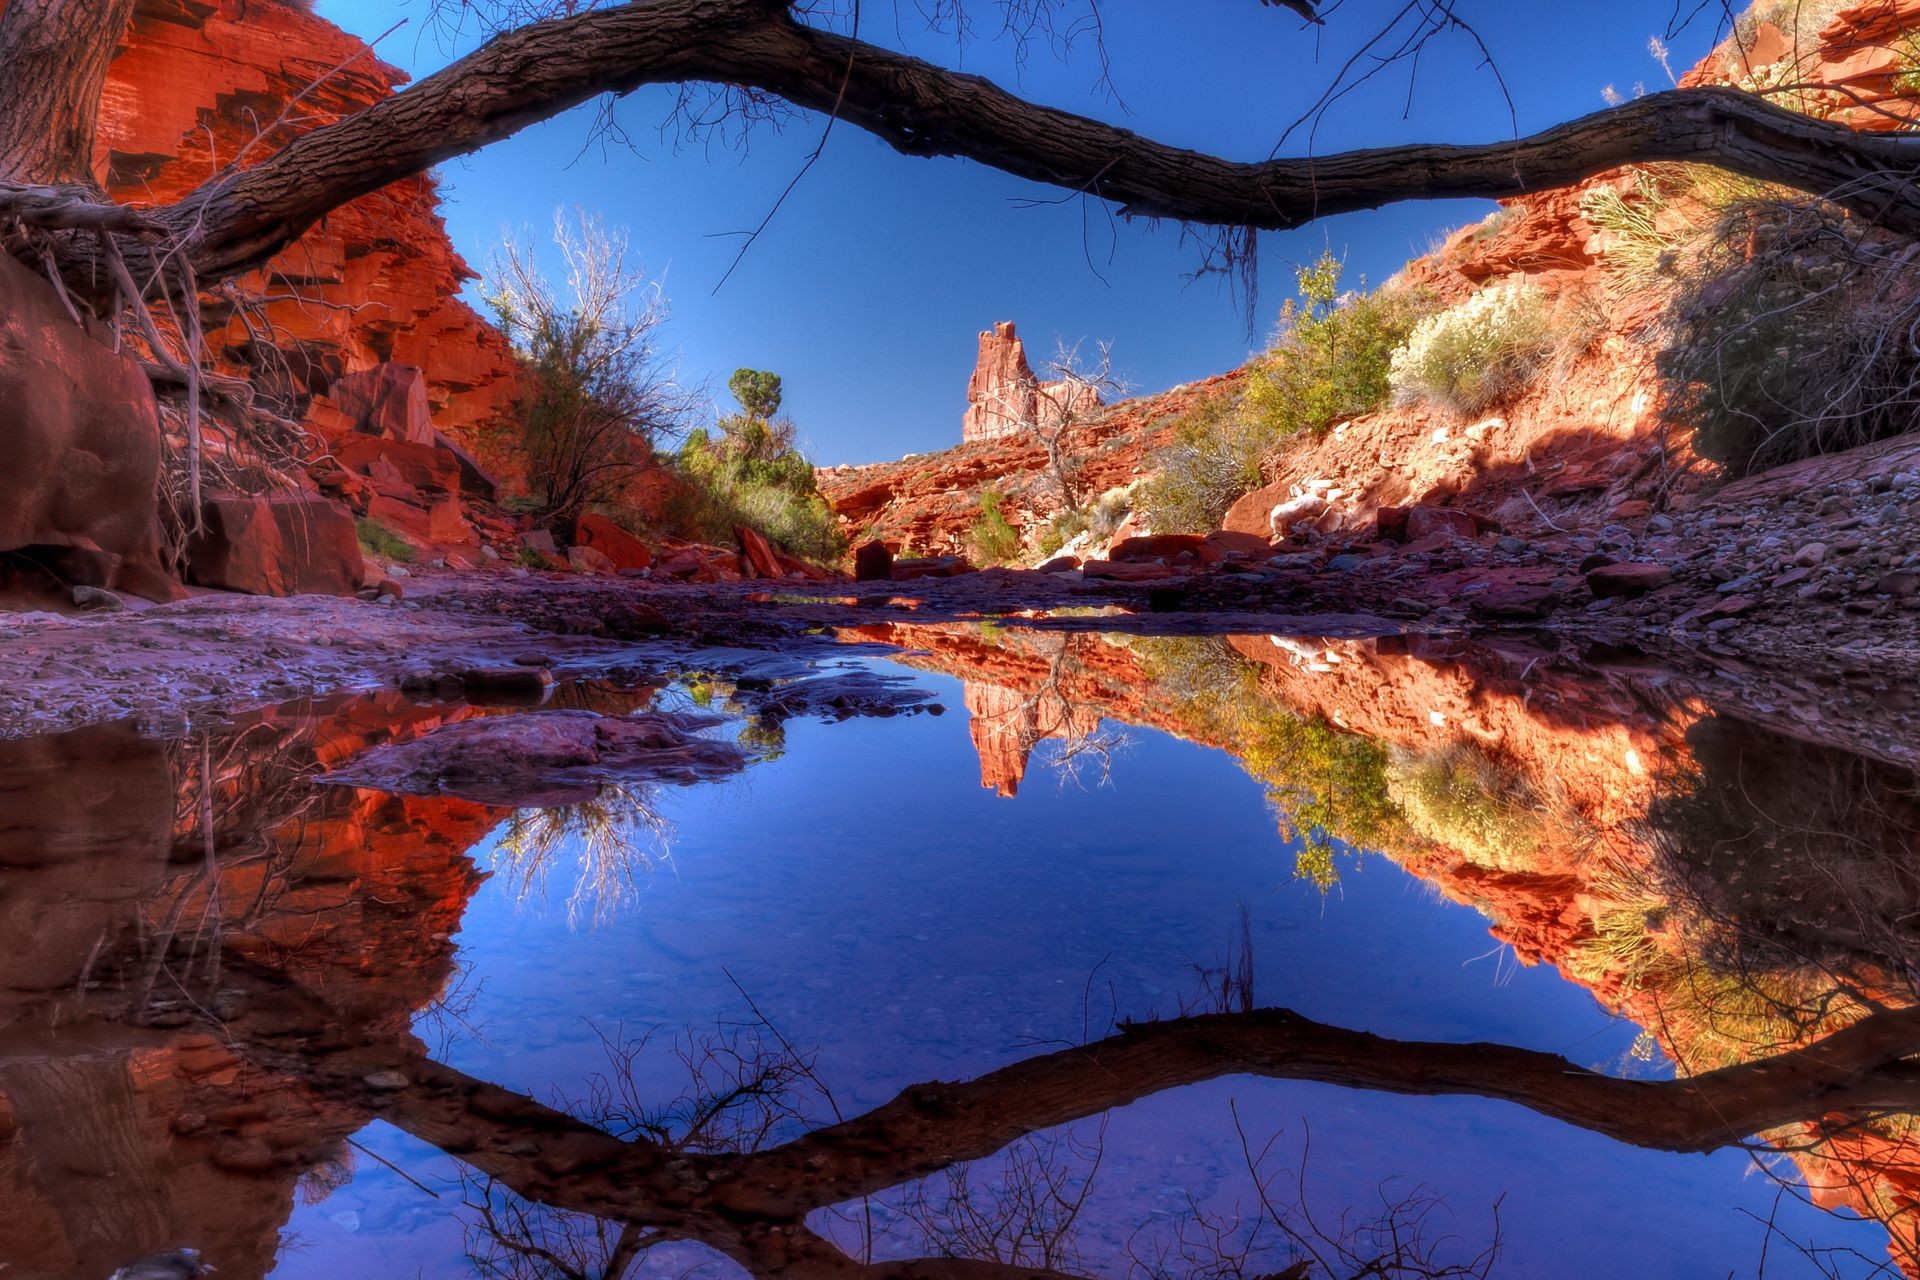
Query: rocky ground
point(1821, 572)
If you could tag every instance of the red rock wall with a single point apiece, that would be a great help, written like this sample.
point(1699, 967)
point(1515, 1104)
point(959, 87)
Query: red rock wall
point(377, 280)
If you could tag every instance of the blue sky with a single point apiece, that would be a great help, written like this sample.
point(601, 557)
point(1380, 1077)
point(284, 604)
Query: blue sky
point(867, 290)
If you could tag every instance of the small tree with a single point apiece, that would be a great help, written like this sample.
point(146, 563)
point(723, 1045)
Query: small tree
point(757, 391)
point(750, 471)
point(597, 391)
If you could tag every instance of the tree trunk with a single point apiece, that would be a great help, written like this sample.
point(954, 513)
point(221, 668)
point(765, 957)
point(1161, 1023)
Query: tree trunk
point(54, 56)
point(238, 221)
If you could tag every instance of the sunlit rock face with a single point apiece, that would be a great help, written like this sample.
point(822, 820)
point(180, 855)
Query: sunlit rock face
point(1005, 397)
point(201, 86)
point(82, 444)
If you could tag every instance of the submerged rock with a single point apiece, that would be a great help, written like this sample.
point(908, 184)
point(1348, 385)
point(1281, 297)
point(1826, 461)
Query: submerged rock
point(546, 758)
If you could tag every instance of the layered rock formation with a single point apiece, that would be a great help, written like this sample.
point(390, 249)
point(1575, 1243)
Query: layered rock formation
point(1005, 397)
point(202, 86)
point(925, 504)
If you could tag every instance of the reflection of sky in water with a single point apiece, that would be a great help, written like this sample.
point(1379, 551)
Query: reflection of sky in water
point(884, 910)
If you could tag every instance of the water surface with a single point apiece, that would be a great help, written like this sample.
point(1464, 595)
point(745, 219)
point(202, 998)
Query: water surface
point(319, 1031)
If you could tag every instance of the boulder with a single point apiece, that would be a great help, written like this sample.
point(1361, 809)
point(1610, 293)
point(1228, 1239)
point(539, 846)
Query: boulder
point(590, 560)
point(276, 545)
point(387, 400)
point(931, 567)
point(82, 445)
point(427, 468)
point(872, 562)
point(545, 758)
point(1162, 546)
point(1283, 516)
point(1628, 578)
point(475, 480)
point(612, 541)
point(1060, 564)
point(759, 555)
point(540, 540)
point(1412, 524)
point(1126, 571)
point(1250, 546)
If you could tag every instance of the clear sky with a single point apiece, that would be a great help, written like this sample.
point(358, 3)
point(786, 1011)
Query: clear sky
point(869, 286)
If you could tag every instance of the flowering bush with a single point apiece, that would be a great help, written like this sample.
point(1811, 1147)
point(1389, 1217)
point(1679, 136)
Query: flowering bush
point(1474, 355)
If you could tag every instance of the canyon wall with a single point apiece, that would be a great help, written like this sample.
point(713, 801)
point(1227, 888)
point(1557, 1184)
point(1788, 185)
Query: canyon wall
point(204, 85)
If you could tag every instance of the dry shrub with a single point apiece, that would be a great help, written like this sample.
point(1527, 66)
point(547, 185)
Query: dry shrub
point(1476, 355)
point(1794, 331)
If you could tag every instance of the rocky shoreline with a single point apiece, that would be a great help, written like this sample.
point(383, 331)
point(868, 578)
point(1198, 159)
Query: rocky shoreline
point(209, 658)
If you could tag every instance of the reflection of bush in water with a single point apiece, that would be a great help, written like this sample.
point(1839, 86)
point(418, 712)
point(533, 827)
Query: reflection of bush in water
point(1788, 870)
point(1805, 855)
point(1483, 809)
point(1328, 786)
point(615, 838)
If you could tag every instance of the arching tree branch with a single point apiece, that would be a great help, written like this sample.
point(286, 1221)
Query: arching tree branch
point(539, 70)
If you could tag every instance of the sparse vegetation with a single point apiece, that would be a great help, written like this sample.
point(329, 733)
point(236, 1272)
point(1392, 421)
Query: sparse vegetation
point(1789, 335)
point(1329, 362)
point(993, 537)
point(1101, 518)
point(1214, 457)
point(597, 390)
point(378, 540)
point(1475, 355)
point(752, 473)
point(1469, 802)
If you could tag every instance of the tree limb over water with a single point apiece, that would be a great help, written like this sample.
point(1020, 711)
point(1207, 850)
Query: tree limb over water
point(239, 220)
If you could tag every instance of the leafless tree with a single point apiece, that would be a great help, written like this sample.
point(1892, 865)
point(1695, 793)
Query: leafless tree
point(1051, 411)
point(598, 390)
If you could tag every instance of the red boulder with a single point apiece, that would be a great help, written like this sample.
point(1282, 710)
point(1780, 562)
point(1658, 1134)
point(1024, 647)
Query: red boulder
point(613, 542)
point(277, 545)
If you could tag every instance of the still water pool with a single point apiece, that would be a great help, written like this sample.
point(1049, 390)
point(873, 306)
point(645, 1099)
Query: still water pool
point(847, 1012)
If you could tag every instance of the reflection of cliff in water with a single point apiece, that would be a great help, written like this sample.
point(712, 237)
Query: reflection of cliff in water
point(215, 975)
point(1730, 860)
point(141, 905)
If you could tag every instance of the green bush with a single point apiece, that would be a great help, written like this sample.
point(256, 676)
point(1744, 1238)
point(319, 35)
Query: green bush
point(993, 537)
point(378, 540)
point(753, 474)
point(1477, 354)
point(1214, 457)
point(1333, 354)
point(1329, 362)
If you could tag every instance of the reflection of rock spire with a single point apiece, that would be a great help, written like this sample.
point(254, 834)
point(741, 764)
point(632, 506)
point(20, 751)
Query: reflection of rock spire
point(1007, 724)
point(1003, 733)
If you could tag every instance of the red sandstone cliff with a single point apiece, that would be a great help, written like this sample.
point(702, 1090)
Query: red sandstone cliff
point(376, 281)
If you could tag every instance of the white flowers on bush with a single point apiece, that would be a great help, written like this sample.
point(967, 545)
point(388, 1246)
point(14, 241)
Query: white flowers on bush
point(1474, 355)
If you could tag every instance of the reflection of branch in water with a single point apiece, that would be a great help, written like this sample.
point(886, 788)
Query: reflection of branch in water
point(511, 1238)
point(617, 837)
point(1023, 1213)
point(1226, 987)
point(742, 1092)
point(1282, 1237)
